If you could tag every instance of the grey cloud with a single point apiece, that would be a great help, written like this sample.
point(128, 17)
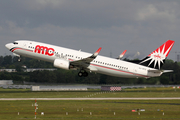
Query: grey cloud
point(67, 14)
point(115, 25)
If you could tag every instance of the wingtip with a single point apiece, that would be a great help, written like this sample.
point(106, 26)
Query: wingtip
point(99, 50)
point(123, 53)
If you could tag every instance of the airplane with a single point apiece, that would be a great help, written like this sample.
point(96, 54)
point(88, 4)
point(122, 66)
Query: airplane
point(70, 59)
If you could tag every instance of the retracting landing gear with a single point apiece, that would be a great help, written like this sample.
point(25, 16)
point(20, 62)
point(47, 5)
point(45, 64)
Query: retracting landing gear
point(82, 73)
point(19, 59)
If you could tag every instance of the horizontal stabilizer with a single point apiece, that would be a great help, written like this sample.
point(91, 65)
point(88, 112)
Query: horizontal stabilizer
point(159, 71)
point(155, 71)
point(166, 71)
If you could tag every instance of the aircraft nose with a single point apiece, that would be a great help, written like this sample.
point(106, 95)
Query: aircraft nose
point(9, 45)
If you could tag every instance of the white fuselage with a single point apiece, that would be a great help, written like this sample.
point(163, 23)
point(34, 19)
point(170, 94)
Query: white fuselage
point(101, 64)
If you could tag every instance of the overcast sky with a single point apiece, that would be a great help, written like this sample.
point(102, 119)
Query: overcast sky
point(114, 25)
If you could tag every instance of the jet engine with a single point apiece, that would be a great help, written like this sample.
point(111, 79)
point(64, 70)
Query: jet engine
point(62, 63)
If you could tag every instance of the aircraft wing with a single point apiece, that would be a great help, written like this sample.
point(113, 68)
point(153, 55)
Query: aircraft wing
point(84, 63)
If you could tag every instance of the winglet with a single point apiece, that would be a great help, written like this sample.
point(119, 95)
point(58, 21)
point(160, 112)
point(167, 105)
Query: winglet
point(96, 53)
point(122, 54)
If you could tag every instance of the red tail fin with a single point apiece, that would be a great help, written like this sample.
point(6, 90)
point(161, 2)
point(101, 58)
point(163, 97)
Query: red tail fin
point(157, 57)
point(163, 50)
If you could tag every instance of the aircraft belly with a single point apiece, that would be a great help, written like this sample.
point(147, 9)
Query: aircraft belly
point(115, 72)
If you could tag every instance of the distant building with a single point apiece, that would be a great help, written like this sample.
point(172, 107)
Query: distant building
point(64, 88)
point(6, 82)
point(111, 88)
point(38, 69)
point(8, 70)
point(28, 69)
point(35, 88)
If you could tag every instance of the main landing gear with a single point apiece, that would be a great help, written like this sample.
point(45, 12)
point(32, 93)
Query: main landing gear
point(82, 73)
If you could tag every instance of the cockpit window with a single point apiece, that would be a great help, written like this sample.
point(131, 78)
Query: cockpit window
point(15, 42)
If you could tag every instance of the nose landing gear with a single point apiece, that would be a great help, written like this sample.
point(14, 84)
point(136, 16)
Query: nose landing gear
point(19, 59)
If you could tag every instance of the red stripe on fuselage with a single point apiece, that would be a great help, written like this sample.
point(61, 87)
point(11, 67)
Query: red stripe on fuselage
point(21, 49)
point(118, 70)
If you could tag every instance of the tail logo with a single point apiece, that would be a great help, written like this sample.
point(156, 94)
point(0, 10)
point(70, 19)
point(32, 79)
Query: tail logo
point(158, 56)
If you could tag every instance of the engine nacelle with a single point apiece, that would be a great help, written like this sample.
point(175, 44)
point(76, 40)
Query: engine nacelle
point(61, 63)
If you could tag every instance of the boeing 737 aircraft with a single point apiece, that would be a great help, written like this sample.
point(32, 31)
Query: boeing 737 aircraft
point(70, 59)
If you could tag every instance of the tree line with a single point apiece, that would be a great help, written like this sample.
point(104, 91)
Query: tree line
point(70, 76)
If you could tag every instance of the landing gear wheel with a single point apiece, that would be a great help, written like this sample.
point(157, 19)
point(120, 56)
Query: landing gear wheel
point(80, 74)
point(85, 74)
point(19, 60)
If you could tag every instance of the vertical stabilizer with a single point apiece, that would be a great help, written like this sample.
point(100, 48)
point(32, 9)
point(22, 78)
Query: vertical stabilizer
point(157, 58)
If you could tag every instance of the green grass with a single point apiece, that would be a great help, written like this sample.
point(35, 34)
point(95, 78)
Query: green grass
point(99, 109)
point(143, 92)
point(103, 109)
